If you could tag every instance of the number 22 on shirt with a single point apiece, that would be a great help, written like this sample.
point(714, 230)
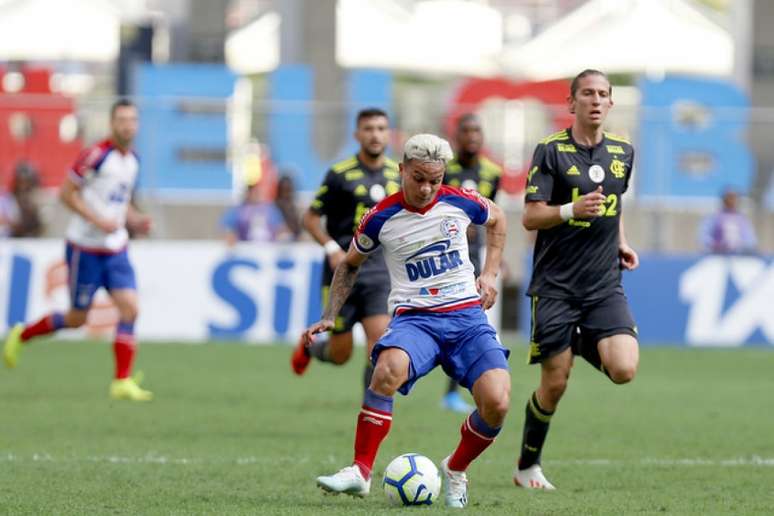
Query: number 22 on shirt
point(609, 209)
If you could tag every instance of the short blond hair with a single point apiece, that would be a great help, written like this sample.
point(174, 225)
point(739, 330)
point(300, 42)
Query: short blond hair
point(427, 148)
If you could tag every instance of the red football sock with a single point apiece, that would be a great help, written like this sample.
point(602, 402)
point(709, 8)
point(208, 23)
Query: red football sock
point(473, 442)
point(47, 324)
point(372, 427)
point(124, 348)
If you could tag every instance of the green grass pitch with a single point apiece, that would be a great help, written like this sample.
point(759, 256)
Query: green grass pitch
point(232, 431)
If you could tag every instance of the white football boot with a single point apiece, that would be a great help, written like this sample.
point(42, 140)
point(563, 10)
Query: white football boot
point(532, 478)
point(455, 486)
point(348, 480)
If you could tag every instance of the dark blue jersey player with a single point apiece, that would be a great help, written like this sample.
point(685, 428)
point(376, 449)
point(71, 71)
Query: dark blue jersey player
point(573, 200)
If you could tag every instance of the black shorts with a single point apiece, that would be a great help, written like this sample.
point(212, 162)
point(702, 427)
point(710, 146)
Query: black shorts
point(559, 323)
point(366, 299)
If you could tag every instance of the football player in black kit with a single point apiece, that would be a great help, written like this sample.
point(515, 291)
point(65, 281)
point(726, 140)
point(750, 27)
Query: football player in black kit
point(573, 200)
point(350, 188)
point(470, 169)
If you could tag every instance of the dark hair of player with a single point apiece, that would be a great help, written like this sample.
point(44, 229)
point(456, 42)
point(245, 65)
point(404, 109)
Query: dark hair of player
point(122, 102)
point(465, 118)
point(588, 71)
point(370, 113)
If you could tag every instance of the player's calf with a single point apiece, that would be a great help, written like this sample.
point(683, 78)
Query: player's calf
point(339, 354)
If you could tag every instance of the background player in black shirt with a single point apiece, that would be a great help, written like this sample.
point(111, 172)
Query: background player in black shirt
point(573, 199)
point(470, 169)
point(350, 188)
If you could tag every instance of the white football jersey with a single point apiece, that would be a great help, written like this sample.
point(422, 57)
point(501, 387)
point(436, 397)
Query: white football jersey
point(106, 176)
point(426, 250)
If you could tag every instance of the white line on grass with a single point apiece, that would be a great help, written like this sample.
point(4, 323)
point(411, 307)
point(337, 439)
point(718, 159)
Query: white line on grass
point(753, 460)
point(153, 458)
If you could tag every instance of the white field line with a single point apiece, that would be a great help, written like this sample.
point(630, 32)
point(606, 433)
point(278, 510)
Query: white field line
point(152, 458)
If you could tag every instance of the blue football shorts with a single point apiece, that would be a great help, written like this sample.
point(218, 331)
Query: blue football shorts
point(462, 342)
point(88, 271)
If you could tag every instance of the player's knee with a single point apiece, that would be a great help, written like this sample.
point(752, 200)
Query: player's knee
point(494, 410)
point(383, 383)
point(555, 386)
point(386, 378)
point(128, 313)
point(622, 373)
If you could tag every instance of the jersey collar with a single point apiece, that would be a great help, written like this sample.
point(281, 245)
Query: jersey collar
point(574, 142)
point(421, 211)
point(113, 145)
point(366, 168)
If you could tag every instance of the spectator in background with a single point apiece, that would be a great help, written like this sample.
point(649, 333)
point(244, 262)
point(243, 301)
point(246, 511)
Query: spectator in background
point(255, 220)
point(285, 201)
point(9, 213)
point(728, 231)
point(470, 169)
point(25, 190)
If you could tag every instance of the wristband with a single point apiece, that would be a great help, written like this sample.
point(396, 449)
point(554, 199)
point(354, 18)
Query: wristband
point(565, 211)
point(331, 247)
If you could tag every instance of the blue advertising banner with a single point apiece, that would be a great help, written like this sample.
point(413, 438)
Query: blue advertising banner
point(700, 300)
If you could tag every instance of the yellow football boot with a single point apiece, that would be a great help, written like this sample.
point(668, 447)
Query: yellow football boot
point(13, 345)
point(129, 389)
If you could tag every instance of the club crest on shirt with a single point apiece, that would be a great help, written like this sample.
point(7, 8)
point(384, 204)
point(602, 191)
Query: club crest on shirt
point(596, 173)
point(450, 228)
point(618, 168)
point(365, 241)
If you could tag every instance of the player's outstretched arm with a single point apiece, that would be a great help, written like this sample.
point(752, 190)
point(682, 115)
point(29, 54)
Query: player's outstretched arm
point(343, 279)
point(312, 222)
point(495, 243)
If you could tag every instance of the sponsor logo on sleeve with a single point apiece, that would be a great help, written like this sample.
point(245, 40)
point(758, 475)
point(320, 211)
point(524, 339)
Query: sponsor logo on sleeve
point(365, 242)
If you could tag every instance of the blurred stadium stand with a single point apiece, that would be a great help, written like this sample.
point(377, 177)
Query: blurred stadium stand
point(207, 129)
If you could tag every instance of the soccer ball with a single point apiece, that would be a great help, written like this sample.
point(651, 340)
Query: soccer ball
point(412, 479)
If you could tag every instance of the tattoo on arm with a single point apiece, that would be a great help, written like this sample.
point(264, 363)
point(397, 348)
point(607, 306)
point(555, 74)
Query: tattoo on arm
point(343, 280)
point(495, 238)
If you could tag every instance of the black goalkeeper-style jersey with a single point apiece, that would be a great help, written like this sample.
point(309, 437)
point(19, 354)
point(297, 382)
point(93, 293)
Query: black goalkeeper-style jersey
point(485, 179)
point(578, 259)
point(348, 191)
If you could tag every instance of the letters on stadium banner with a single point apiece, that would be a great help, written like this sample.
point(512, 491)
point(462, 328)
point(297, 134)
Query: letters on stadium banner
point(189, 291)
point(198, 291)
point(689, 135)
point(730, 300)
point(691, 138)
point(701, 300)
